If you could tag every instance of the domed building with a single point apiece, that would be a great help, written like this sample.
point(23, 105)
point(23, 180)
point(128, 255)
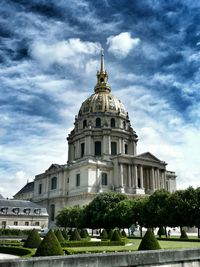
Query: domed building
point(102, 156)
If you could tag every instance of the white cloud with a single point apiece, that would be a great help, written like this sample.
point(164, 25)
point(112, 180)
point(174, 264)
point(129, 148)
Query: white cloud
point(69, 52)
point(121, 44)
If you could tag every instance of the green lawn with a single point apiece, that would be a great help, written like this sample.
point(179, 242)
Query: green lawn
point(133, 246)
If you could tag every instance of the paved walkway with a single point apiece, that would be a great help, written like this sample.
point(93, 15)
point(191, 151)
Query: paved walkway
point(7, 256)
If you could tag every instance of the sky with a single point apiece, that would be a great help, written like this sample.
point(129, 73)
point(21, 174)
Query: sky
point(49, 56)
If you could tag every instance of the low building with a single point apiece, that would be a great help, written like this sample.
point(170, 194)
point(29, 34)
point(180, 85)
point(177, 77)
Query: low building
point(22, 214)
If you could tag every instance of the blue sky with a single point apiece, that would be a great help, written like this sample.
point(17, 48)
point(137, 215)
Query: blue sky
point(49, 55)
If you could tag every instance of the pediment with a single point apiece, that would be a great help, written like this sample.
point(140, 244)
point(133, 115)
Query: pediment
point(53, 167)
point(148, 156)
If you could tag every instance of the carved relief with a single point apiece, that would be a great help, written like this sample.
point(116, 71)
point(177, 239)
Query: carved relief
point(111, 103)
point(98, 103)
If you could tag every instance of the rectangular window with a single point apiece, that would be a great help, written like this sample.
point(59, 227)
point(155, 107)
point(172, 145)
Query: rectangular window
point(40, 189)
point(67, 179)
point(26, 223)
point(15, 223)
point(126, 149)
point(37, 223)
point(113, 148)
point(3, 224)
point(97, 151)
point(52, 212)
point(104, 178)
point(78, 179)
point(82, 149)
point(53, 183)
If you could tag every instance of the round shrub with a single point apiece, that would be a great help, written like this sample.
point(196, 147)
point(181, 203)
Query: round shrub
point(104, 234)
point(65, 235)
point(184, 234)
point(59, 236)
point(33, 240)
point(161, 231)
point(116, 236)
point(75, 236)
point(149, 242)
point(49, 246)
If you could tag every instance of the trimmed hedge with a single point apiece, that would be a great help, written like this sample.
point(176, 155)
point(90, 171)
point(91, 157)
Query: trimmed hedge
point(92, 244)
point(18, 251)
point(123, 233)
point(149, 242)
point(75, 236)
point(104, 234)
point(65, 235)
point(110, 233)
point(14, 232)
point(11, 243)
point(116, 236)
point(33, 240)
point(59, 235)
point(49, 246)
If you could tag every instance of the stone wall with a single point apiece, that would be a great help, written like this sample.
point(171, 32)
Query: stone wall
point(164, 258)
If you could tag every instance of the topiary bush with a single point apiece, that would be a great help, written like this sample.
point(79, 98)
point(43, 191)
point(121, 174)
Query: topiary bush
point(65, 235)
point(75, 236)
point(84, 233)
point(116, 236)
point(59, 236)
point(184, 234)
point(110, 233)
point(149, 242)
point(49, 246)
point(33, 240)
point(104, 234)
point(123, 233)
point(161, 231)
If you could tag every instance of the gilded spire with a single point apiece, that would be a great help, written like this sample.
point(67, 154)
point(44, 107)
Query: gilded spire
point(102, 78)
point(102, 61)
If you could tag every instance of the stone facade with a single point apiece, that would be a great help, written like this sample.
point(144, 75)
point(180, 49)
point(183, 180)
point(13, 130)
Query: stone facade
point(102, 156)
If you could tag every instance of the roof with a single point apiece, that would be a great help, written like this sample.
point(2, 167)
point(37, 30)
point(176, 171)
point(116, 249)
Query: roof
point(29, 187)
point(22, 205)
point(1, 197)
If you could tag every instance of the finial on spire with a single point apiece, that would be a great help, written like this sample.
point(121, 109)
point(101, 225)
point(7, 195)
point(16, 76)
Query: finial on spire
point(102, 61)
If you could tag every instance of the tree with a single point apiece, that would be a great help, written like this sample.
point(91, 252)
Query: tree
point(70, 217)
point(97, 212)
point(49, 246)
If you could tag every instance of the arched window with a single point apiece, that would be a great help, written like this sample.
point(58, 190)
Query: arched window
point(84, 124)
point(52, 212)
point(112, 123)
point(53, 183)
point(98, 122)
point(97, 151)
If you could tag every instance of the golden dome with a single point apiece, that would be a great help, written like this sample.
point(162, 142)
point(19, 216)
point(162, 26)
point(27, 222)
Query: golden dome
point(102, 100)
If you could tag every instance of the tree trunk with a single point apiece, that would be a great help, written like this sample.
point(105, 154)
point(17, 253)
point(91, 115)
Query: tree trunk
point(198, 232)
point(165, 231)
point(141, 231)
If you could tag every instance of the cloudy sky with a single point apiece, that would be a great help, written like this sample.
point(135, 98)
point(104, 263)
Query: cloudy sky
point(49, 55)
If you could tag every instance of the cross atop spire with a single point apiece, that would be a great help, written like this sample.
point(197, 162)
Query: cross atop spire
point(102, 78)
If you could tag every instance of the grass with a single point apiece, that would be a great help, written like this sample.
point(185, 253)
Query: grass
point(132, 246)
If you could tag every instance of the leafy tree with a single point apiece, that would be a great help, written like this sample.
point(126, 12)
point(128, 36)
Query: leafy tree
point(65, 235)
point(49, 246)
point(149, 242)
point(33, 240)
point(70, 217)
point(97, 212)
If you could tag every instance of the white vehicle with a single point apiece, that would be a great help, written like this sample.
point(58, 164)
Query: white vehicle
point(43, 232)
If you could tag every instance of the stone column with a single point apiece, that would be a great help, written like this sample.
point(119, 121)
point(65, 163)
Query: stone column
point(121, 175)
point(152, 179)
point(157, 178)
point(164, 179)
point(120, 145)
point(129, 175)
point(141, 177)
point(135, 176)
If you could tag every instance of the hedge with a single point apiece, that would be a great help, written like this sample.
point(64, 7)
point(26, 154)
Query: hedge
point(19, 251)
point(92, 244)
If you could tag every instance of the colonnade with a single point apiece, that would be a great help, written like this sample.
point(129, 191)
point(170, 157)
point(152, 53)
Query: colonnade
point(140, 176)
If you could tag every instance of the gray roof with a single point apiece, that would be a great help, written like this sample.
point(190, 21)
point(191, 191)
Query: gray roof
point(9, 206)
point(1, 197)
point(29, 187)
